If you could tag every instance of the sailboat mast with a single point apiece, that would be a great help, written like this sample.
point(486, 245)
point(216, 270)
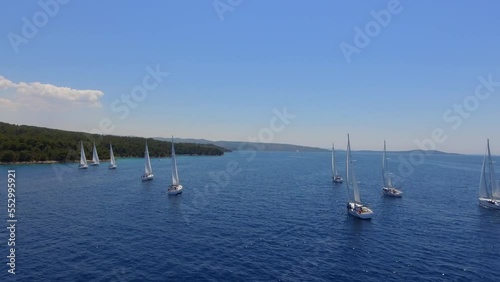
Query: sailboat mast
point(147, 162)
point(175, 175)
point(83, 159)
point(333, 160)
point(385, 171)
point(352, 176)
point(347, 168)
point(483, 185)
point(95, 157)
point(493, 187)
point(112, 156)
point(490, 169)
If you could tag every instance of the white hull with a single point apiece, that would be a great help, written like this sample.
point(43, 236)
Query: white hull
point(337, 179)
point(359, 211)
point(94, 164)
point(490, 203)
point(147, 177)
point(392, 192)
point(174, 189)
point(83, 166)
point(112, 167)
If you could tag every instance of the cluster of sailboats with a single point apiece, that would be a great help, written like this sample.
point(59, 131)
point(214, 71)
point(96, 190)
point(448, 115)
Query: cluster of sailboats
point(95, 158)
point(174, 189)
point(489, 187)
point(354, 205)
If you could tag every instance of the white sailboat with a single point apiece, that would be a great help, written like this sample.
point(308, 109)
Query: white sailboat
point(489, 189)
point(354, 206)
point(176, 187)
point(148, 171)
point(336, 178)
point(112, 160)
point(83, 159)
point(95, 157)
point(388, 188)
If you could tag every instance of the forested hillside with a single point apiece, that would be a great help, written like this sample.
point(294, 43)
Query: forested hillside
point(21, 143)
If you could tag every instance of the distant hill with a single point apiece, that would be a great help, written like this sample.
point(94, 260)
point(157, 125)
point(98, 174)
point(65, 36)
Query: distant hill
point(409, 151)
point(22, 143)
point(242, 146)
point(238, 145)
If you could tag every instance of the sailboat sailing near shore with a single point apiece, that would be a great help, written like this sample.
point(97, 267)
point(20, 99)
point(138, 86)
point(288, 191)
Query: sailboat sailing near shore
point(354, 205)
point(388, 188)
point(112, 161)
point(176, 187)
point(95, 157)
point(148, 171)
point(336, 178)
point(83, 159)
point(489, 189)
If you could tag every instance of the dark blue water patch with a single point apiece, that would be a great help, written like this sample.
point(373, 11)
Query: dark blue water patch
point(277, 217)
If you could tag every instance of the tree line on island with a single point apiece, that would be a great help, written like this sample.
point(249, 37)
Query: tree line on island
point(22, 143)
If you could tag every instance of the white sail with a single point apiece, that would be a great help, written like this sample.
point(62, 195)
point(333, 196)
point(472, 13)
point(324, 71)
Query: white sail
point(83, 159)
point(495, 190)
point(351, 177)
point(95, 157)
point(385, 172)
point(488, 185)
point(494, 187)
point(111, 155)
point(484, 192)
point(334, 167)
point(175, 175)
point(147, 162)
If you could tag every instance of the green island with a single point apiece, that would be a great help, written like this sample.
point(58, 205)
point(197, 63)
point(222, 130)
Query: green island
point(32, 144)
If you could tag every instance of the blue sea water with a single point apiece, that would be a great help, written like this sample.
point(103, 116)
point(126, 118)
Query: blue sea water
point(272, 216)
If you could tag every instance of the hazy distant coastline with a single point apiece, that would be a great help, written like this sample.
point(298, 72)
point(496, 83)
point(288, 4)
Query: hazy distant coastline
point(273, 147)
point(245, 146)
point(410, 151)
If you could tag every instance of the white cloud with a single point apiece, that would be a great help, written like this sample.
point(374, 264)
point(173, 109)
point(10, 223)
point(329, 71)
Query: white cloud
point(43, 94)
point(5, 83)
point(6, 103)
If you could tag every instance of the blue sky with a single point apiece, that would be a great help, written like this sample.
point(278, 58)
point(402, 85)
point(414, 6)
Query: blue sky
point(226, 75)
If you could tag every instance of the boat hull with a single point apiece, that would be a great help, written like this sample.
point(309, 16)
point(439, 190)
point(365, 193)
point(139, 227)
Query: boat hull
point(392, 192)
point(489, 203)
point(337, 179)
point(359, 211)
point(174, 189)
point(147, 177)
point(83, 166)
point(112, 167)
point(94, 164)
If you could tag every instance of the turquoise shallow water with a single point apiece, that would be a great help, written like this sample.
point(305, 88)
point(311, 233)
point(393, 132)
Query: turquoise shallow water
point(275, 217)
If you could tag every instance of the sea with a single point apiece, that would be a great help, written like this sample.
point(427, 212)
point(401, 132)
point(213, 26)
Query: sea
point(251, 216)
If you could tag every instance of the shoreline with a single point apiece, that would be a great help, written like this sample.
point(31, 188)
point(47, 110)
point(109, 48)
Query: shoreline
point(89, 161)
point(32, 162)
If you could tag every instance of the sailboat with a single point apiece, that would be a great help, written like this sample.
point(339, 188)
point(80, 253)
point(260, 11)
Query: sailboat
point(112, 164)
point(354, 205)
point(176, 187)
point(95, 157)
point(148, 171)
point(83, 159)
point(388, 188)
point(489, 189)
point(336, 178)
